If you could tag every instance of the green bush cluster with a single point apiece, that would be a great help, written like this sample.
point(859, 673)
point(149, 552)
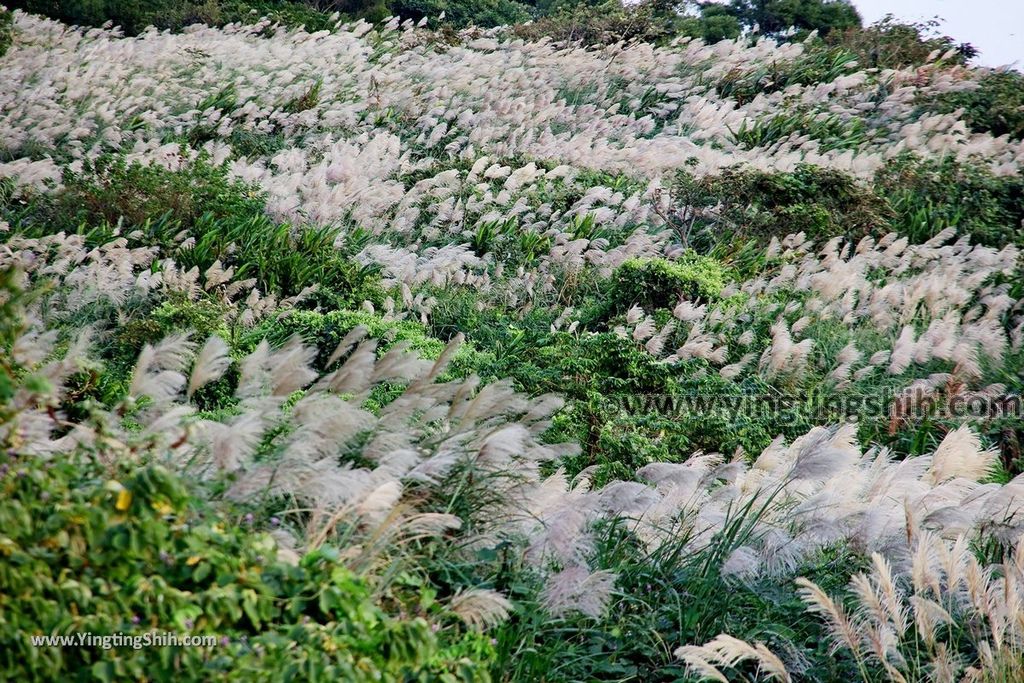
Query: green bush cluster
point(6, 30)
point(135, 17)
point(602, 23)
point(624, 406)
point(750, 203)
point(459, 13)
point(910, 195)
point(90, 549)
point(109, 191)
point(774, 17)
point(996, 106)
point(223, 218)
point(325, 330)
point(666, 597)
point(929, 195)
point(819, 64)
point(893, 44)
point(831, 131)
point(587, 21)
point(659, 283)
point(609, 21)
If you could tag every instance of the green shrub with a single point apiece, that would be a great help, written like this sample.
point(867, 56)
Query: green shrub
point(204, 317)
point(461, 13)
point(996, 106)
point(326, 330)
point(601, 23)
point(625, 407)
point(929, 195)
point(913, 196)
point(818, 64)
point(134, 17)
point(6, 30)
point(715, 23)
point(108, 191)
point(223, 219)
point(750, 203)
point(774, 17)
point(831, 131)
point(87, 549)
point(892, 44)
point(107, 380)
point(658, 283)
point(666, 597)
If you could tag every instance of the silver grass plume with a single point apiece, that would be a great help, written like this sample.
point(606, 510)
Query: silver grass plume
point(210, 365)
point(725, 651)
point(480, 608)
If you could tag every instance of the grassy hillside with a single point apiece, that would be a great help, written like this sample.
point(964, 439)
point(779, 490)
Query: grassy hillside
point(392, 350)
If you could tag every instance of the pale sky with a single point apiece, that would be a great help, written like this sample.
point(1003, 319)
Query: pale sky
point(996, 27)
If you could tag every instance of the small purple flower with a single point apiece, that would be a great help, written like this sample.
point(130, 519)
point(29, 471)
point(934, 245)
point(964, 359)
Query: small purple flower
point(136, 619)
point(188, 623)
point(494, 642)
point(248, 519)
point(435, 627)
point(274, 521)
point(224, 641)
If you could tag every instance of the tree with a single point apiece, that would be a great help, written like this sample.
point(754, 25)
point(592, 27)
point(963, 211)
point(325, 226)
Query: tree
point(717, 23)
point(775, 16)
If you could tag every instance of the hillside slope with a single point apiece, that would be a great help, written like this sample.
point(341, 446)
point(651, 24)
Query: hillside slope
point(398, 354)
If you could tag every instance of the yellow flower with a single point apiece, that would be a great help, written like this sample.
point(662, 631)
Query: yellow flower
point(163, 508)
point(193, 560)
point(124, 499)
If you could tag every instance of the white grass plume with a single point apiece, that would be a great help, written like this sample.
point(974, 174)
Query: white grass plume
point(960, 455)
point(480, 608)
point(725, 651)
point(577, 589)
point(211, 363)
point(158, 370)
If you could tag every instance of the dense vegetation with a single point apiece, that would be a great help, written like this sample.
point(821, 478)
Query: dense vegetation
point(888, 43)
point(376, 351)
